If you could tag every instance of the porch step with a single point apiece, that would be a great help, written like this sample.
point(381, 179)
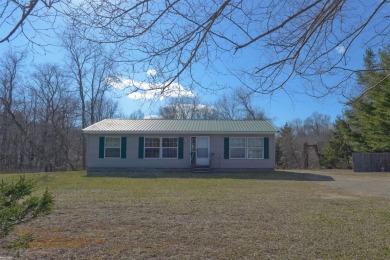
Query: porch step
point(201, 169)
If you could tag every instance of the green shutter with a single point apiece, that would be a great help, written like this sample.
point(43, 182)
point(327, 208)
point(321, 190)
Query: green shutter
point(123, 147)
point(101, 147)
point(180, 148)
point(141, 147)
point(226, 148)
point(266, 148)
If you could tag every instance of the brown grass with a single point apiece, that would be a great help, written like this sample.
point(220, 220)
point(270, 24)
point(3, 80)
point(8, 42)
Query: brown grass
point(281, 215)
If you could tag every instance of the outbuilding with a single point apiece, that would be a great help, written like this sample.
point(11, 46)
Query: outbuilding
point(202, 145)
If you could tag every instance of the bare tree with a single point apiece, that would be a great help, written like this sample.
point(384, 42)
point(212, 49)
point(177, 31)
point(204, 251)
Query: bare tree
point(10, 81)
point(29, 19)
point(231, 106)
point(135, 115)
point(55, 114)
point(239, 104)
point(37, 117)
point(89, 67)
point(187, 108)
point(309, 138)
point(226, 107)
point(104, 107)
point(309, 40)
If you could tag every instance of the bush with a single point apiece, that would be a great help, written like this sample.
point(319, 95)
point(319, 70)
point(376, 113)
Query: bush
point(17, 205)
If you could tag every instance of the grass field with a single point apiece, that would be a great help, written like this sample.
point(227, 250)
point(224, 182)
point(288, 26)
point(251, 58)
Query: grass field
point(283, 215)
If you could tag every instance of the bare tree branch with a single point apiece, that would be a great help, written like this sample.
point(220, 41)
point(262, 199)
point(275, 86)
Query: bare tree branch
point(284, 40)
point(26, 11)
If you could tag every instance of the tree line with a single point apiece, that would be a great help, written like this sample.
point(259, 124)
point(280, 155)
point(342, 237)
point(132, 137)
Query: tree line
point(364, 125)
point(44, 107)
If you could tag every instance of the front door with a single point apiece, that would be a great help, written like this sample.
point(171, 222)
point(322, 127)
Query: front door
point(202, 150)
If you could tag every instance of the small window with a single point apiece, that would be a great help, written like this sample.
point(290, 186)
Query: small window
point(169, 147)
point(112, 147)
point(237, 147)
point(255, 148)
point(152, 147)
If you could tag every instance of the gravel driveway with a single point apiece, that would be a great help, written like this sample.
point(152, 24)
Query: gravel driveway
point(365, 184)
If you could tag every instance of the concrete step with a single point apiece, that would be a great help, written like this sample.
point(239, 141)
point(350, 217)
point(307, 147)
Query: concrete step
point(201, 169)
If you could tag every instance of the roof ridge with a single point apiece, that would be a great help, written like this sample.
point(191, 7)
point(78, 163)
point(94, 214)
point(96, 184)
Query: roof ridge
point(180, 125)
point(163, 119)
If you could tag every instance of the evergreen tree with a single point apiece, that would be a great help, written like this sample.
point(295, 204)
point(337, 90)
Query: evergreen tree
point(17, 205)
point(338, 151)
point(366, 123)
point(369, 114)
point(286, 145)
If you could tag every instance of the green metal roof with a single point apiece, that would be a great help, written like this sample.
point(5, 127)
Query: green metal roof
point(162, 126)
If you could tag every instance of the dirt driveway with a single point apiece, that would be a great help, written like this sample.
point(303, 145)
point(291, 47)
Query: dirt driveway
point(364, 184)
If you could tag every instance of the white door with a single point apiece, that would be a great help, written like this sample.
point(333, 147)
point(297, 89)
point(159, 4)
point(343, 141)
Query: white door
point(202, 150)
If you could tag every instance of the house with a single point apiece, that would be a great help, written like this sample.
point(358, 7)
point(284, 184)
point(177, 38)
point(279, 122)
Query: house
point(180, 144)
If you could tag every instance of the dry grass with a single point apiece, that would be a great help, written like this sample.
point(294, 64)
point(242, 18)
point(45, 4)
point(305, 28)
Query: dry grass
point(252, 215)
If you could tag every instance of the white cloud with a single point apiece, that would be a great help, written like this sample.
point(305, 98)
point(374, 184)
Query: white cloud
point(146, 91)
point(190, 107)
point(151, 72)
point(340, 49)
point(152, 117)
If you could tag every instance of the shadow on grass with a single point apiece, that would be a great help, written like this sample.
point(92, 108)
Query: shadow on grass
point(255, 175)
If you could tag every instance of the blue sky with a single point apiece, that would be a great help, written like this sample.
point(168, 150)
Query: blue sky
point(281, 106)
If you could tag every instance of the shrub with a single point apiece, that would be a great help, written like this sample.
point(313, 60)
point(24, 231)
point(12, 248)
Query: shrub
point(17, 205)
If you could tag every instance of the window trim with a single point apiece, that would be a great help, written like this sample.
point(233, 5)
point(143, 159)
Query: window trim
point(261, 147)
point(246, 148)
point(120, 147)
point(161, 148)
point(152, 147)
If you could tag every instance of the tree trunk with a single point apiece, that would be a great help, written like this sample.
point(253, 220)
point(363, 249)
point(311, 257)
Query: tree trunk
point(305, 155)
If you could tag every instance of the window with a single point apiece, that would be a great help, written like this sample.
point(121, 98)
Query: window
point(152, 147)
point(165, 147)
point(246, 148)
point(237, 147)
point(255, 148)
point(169, 147)
point(112, 147)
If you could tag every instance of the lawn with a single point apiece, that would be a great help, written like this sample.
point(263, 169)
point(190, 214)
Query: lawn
point(182, 215)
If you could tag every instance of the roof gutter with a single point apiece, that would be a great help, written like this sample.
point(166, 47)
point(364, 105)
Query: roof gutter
point(174, 132)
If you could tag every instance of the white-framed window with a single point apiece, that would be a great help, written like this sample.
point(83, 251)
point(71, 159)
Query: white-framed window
point(169, 147)
point(112, 147)
point(246, 148)
point(152, 147)
point(255, 148)
point(237, 147)
point(161, 147)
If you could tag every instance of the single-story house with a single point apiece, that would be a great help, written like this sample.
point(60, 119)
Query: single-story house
point(180, 144)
